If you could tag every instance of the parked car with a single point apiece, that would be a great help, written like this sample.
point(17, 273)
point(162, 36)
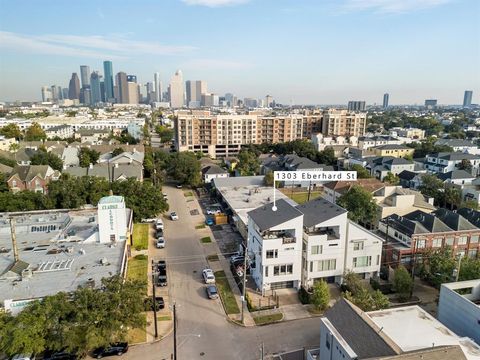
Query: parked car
point(148, 220)
point(179, 186)
point(162, 274)
point(159, 233)
point(212, 292)
point(59, 355)
point(160, 243)
point(24, 357)
point(213, 211)
point(210, 222)
point(164, 195)
point(159, 224)
point(173, 216)
point(112, 349)
point(236, 258)
point(208, 276)
point(161, 264)
point(160, 303)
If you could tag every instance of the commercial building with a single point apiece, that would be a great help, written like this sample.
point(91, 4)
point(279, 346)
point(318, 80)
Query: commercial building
point(295, 246)
point(74, 87)
point(122, 88)
point(95, 88)
point(357, 105)
point(157, 87)
point(385, 100)
point(85, 75)
point(431, 103)
point(176, 91)
point(60, 131)
point(467, 98)
point(194, 91)
point(61, 250)
point(410, 235)
point(343, 123)
point(459, 308)
point(108, 82)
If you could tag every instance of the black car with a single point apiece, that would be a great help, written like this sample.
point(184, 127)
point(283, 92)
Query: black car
point(159, 233)
point(158, 301)
point(161, 265)
point(112, 349)
point(59, 355)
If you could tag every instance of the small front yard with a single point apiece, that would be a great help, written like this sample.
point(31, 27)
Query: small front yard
point(268, 319)
point(301, 197)
point(188, 193)
point(139, 335)
point(226, 293)
point(140, 236)
point(138, 269)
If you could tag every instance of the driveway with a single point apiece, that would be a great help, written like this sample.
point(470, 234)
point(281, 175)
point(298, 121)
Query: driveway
point(202, 329)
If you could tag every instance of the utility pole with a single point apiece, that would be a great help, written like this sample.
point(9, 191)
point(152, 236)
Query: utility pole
point(263, 351)
point(154, 301)
point(309, 190)
point(244, 286)
point(174, 332)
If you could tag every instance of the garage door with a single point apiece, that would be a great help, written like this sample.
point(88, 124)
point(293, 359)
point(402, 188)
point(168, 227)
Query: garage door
point(281, 285)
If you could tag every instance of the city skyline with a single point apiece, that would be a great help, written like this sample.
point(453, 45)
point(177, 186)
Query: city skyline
point(329, 53)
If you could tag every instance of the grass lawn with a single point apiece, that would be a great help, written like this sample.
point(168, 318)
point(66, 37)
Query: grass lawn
point(135, 336)
point(213, 257)
point(140, 236)
point(200, 226)
point(226, 293)
point(164, 318)
point(137, 269)
point(188, 193)
point(268, 319)
point(206, 240)
point(301, 197)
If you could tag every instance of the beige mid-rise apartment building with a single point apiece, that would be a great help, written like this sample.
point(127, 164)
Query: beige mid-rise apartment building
point(223, 135)
point(343, 123)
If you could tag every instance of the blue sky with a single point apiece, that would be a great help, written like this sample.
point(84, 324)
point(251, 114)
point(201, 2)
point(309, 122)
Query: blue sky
point(304, 51)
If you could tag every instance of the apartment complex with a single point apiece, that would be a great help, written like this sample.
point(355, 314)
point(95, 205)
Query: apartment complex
point(223, 135)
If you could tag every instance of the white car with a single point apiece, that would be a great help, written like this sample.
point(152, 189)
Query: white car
point(158, 224)
point(173, 216)
point(208, 276)
point(148, 220)
point(213, 211)
point(160, 243)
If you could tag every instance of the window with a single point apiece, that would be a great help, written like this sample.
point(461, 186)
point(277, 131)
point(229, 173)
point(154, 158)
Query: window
point(437, 242)
point(14, 183)
point(284, 269)
point(473, 239)
point(449, 241)
point(472, 253)
point(271, 254)
point(325, 265)
point(462, 240)
point(358, 245)
point(362, 261)
point(316, 249)
point(420, 244)
point(378, 259)
point(266, 271)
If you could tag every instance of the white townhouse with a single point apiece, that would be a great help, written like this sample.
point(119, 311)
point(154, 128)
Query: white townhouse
point(294, 246)
point(443, 162)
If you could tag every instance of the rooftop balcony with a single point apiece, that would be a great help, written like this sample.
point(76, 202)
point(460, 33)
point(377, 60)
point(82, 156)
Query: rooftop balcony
point(332, 233)
point(287, 238)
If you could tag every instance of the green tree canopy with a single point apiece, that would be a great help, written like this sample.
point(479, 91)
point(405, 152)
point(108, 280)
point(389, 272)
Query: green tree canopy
point(35, 133)
point(117, 151)
point(465, 165)
point(248, 163)
point(403, 283)
point(88, 156)
point(185, 168)
point(42, 157)
point(360, 205)
point(432, 187)
point(362, 173)
point(326, 156)
point(391, 179)
point(321, 295)
point(11, 131)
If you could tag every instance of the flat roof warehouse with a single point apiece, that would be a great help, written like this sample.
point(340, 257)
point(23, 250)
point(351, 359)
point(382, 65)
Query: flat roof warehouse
point(57, 251)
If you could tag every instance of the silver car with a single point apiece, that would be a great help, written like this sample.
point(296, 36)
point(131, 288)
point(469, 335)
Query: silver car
point(212, 292)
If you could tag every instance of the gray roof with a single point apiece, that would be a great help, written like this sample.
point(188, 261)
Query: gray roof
point(239, 181)
point(213, 169)
point(407, 175)
point(299, 162)
point(453, 220)
point(133, 170)
point(391, 147)
point(4, 169)
point(455, 142)
point(28, 172)
point(357, 332)
point(455, 175)
point(473, 216)
point(452, 156)
point(428, 221)
point(319, 210)
point(266, 218)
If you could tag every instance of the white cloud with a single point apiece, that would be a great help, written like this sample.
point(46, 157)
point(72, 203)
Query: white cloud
point(214, 3)
point(392, 6)
point(215, 64)
point(114, 47)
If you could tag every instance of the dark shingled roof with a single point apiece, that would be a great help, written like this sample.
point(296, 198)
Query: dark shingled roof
point(360, 335)
point(473, 216)
point(407, 175)
point(428, 221)
point(319, 210)
point(266, 218)
point(213, 169)
point(453, 220)
point(455, 175)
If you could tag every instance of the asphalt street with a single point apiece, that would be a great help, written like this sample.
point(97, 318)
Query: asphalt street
point(203, 331)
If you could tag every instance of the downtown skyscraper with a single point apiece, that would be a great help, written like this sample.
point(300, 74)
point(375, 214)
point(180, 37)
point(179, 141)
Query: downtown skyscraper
point(108, 81)
point(176, 90)
point(95, 88)
point(122, 88)
point(467, 98)
point(74, 87)
point(157, 84)
point(385, 100)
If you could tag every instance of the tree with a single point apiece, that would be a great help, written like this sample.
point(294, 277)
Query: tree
point(248, 163)
point(117, 151)
point(166, 134)
point(453, 197)
point(321, 295)
point(88, 156)
point(268, 179)
point(35, 133)
point(465, 165)
point(362, 173)
point(185, 168)
point(368, 300)
point(360, 205)
point(403, 283)
point(469, 269)
point(432, 187)
point(24, 201)
point(391, 179)
point(11, 131)
point(42, 157)
point(437, 266)
point(471, 204)
point(326, 156)
point(428, 146)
